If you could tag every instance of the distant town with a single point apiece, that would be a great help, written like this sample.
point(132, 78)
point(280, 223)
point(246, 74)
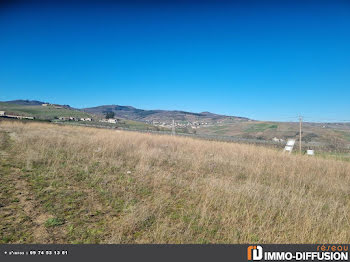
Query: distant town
point(181, 124)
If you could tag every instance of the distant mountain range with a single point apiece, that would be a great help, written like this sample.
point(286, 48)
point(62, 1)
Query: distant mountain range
point(33, 103)
point(332, 135)
point(132, 113)
point(26, 102)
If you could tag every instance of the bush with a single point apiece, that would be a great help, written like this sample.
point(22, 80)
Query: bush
point(54, 221)
point(110, 115)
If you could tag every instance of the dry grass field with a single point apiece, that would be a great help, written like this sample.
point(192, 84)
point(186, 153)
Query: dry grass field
point(61, 184)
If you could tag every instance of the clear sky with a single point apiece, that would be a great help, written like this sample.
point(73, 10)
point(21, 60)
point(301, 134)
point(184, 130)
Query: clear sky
point(267, 61)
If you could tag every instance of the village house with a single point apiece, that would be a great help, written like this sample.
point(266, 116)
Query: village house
point(112, 120)
point(85, 119)
point(2, 113)
point(28, 117)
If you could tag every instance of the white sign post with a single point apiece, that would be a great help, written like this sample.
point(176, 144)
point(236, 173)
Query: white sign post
point(310, 152)
point(289, 146)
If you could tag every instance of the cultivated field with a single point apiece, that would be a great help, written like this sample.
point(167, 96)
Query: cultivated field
point(333, 137)
point(62, 184)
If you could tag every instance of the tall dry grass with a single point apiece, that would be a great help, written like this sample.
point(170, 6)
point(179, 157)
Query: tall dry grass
point(163, 189)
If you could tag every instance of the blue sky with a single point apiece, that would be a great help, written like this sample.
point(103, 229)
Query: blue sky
point(268, 61)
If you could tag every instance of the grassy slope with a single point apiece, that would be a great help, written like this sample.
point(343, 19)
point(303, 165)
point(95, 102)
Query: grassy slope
point(41, 112)
point(261, 127)
point(108, 186)
point(240, 128)
point(13, 221)
point(50, 112)
point(268, 130)
point(345, 135)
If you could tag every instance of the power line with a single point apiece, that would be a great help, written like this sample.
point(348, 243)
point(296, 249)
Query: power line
point(173, 128)
point(300, 126)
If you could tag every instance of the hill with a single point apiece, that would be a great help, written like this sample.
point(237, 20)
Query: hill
point(320, 136)
point(51, 112)
point(132, 113)
point(329, 136)
point(63, 184)
point(35, 109)
point(25, 102)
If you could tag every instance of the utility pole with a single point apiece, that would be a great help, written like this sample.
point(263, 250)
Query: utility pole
point(300, 126)
point(173, 128)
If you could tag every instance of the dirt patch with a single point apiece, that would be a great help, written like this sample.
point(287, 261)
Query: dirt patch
point(31, 208)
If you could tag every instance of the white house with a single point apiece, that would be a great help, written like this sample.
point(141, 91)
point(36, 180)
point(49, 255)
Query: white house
point(2, 113)
point(85, 119)
point(28, 117)
point(112, 120)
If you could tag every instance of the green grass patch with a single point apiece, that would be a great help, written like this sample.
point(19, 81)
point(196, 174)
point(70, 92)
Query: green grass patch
point(261, 127)
point(54, 221)
point(218, 130)
point(345, 135)
point(15, 225)
point(335, 156)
